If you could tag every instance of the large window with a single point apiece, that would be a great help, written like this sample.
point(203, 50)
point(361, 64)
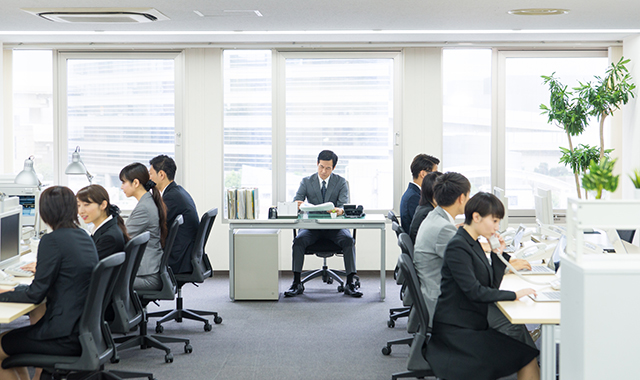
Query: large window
point(339, 101)
point(119, 109)
point(32, 83)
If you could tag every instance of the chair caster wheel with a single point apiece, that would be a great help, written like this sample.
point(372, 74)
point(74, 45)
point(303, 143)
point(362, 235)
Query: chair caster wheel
point(391, 323)
point(188, 348)
point(168, 358)
point(386, 350)
point(207, 326)
point(217, 320)
point(357, 284)
point(115, 360)
point(330, 281)
point(159, 329)
point(340, 288)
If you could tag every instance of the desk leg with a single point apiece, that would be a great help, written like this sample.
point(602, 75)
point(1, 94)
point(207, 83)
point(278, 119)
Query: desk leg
point(232, 290)
point(383, 264)
point(548, 362)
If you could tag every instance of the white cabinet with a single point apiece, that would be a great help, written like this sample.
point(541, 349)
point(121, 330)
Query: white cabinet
point(256, 267)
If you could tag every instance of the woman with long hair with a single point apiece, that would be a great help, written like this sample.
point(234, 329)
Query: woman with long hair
point(150, 214)
point(426, 205)
point(462, 344)
point(66, 258)
point(109, 231)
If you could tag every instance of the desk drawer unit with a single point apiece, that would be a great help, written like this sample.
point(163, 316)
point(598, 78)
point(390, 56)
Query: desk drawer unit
point(256, 264)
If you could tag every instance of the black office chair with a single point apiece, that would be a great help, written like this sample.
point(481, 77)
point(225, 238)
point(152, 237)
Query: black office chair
point(201, 270)
point(325, 248)
point(417, 365)
point(144, 297)
point(397, 312)
point(394, 219)
point(406, 246)
point(95, 336)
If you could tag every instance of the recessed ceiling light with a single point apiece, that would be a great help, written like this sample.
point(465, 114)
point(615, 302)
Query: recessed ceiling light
point(538, 11)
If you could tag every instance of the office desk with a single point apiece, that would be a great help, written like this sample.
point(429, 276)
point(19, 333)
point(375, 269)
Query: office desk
point(526, 310)
point(10, 311)
point(370, 221)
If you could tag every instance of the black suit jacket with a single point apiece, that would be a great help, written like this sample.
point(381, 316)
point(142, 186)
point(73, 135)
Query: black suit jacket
point(66, 258)
point(418, 217)
point(108, 239)
point(179, 202)
point(469, 283)
point(410, 200)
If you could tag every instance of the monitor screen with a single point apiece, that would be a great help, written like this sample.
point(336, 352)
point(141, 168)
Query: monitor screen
point(10, 234)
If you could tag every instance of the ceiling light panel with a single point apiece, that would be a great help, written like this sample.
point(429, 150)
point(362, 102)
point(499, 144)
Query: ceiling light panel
point(98, 15)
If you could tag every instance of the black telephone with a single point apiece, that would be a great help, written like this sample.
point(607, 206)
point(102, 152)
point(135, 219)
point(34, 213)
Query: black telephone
point(353, 211)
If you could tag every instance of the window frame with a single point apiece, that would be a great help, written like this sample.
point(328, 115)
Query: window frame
point(60, 133)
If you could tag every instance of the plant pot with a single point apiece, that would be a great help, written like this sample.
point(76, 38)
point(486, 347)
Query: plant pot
point(636, 193)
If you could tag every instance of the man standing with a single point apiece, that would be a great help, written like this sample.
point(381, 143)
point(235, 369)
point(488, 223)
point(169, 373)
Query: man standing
point(178, 201)
point(421, 165)
point(324, 186)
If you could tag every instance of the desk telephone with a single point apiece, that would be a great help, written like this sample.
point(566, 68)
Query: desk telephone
point(353, 211)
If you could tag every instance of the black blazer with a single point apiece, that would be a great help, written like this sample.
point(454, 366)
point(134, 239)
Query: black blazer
point(108, 239)
point(469, 283)
point(419, 216)
point(408, 204)
point(179, 202)
point(66, 258)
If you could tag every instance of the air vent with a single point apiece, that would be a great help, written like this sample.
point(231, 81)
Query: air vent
point(98, 15)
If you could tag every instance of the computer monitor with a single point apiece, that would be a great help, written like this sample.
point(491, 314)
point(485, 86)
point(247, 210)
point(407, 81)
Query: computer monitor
point(499, 192)
point(29, 197)
point(544, 206)
point(10, 235)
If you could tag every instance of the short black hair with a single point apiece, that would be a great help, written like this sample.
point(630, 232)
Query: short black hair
point(59, 207)
point(426, 190)
point(328, 155)
point(166, 164)
point(449, 187)
point(423, 162)
point(484, 204)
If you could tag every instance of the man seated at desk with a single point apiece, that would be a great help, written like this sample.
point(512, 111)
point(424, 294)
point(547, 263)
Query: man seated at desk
point(321, 187)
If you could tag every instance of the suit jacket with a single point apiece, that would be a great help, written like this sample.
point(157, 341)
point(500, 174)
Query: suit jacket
point(144, 217)
point(337, 190)
point(66, 258)
point(418, 217)
point(434, 234)
point(408, 204)
point(108, 239)
point(469, 284)
point(179, 202)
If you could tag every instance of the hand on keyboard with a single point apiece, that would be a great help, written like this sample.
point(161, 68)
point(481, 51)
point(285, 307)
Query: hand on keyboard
point(21, 270)
point(31, 267)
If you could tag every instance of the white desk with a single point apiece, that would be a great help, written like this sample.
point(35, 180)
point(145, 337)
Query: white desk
point(370, 221)
point(526, 310)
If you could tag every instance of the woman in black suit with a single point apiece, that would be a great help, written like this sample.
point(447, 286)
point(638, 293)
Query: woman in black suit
point(109, 231)
point(462, 345)
point(66, 258)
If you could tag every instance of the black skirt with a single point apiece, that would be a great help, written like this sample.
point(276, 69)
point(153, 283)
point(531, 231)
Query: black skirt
point(18, 341)
point(457, 353)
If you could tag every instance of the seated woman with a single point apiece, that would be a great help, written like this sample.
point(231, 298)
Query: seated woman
point(109, 232)
point(66, 258)
point(426, 205)
point(150, 214)
point(462, 345)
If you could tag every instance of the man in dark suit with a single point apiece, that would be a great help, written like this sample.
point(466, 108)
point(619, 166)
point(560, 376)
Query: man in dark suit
point(324, 186)
point(178, 201)
point(421, 165)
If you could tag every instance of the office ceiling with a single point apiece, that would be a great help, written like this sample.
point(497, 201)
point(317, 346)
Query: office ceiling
point(456, 22)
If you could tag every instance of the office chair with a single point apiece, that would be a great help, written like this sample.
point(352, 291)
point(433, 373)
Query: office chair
point(406, 246)
point(95, 336)
point(325, 248)
point(141, 298)
point(394, 219)
point(201, 270)
point(397, 312)
point(417, 365)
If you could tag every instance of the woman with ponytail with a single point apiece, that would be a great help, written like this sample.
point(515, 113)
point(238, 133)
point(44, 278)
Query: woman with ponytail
point(150, 214)
point(109, 231)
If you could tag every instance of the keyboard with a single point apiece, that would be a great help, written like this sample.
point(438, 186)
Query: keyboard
point(7, 279)
point(17, 271)
point(538, 269)
point(552, 295)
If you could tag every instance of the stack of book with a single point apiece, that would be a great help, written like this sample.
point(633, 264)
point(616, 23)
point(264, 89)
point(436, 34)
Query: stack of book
point(242, 203)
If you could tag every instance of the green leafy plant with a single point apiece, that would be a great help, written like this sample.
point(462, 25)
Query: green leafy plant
point(635, 178)
point(581, 157)
point(600, 177)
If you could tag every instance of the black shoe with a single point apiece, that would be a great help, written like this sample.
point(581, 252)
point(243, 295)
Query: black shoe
point(294, 290)
point(351, 290)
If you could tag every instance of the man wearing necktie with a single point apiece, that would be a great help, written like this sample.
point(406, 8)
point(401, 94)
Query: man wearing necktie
point(324, 186)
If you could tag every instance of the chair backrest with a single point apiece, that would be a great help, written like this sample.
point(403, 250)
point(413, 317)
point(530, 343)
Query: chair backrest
point(199, 260)
point(94, 333)
point(397, 228)
point(405, 243)
point(416, 360)
point(126, 306)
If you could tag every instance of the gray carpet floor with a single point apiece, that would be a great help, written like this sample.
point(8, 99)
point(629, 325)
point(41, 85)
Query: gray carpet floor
point(319, 335)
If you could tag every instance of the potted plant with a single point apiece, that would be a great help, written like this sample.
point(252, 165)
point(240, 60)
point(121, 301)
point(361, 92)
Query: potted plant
point(600, 177)
point(635, 178)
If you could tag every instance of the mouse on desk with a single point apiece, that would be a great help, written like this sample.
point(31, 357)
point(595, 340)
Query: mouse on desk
point(555, 284)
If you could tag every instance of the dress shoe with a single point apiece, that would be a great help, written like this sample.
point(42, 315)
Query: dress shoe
point(351, 290)
point(294, 290)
